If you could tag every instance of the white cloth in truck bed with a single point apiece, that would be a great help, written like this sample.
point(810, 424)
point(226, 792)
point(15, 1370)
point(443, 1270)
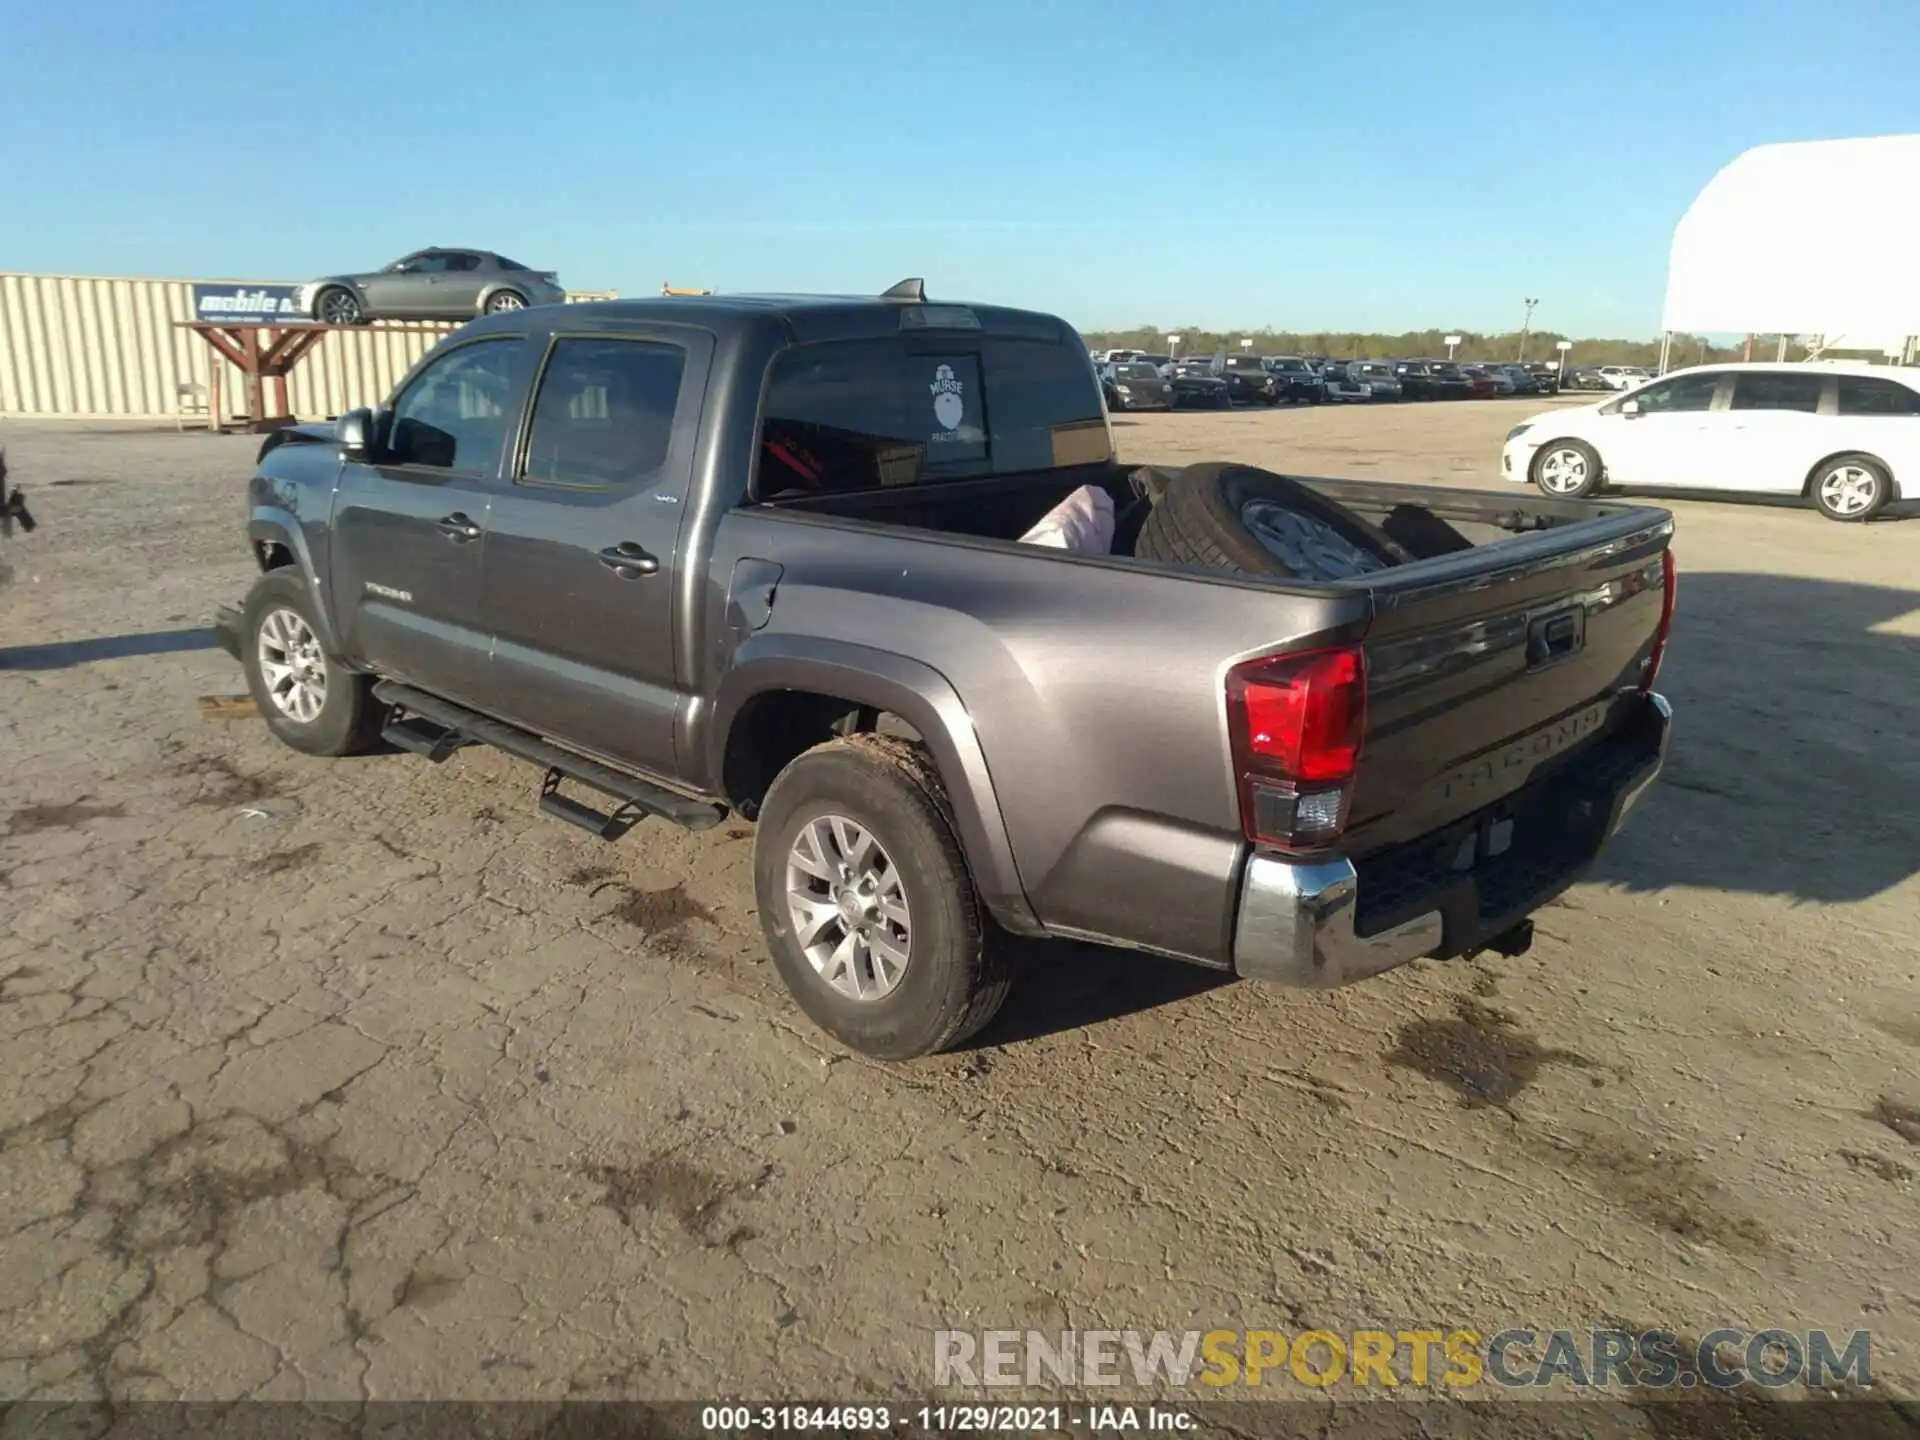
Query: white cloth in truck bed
point(1083, 523)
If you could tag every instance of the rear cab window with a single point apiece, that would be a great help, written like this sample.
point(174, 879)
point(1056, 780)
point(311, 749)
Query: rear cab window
point(858, 415)
point(604, 412)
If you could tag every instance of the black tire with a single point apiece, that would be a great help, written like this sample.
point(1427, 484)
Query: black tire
point(337, 305)
point(1832, 500)
point(1198, 521)
point(505, 300)
point(959, 966)
point(1588, 456)
point(349, 720)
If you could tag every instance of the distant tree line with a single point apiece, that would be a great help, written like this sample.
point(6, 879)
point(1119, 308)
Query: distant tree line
point(1431, 344)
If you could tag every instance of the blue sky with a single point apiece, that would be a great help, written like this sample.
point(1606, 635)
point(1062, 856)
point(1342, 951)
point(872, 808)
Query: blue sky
point(1292, 163)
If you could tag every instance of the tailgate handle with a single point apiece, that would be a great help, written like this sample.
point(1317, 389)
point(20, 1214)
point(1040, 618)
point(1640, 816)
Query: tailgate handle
point(1555, 637)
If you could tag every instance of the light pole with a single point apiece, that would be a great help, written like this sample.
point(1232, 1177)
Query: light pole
point(1526, 326)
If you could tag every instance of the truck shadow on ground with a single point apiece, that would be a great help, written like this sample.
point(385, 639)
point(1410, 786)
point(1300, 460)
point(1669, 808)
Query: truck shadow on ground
point(1792, 770)
point(66, 655)
point(1069, 985)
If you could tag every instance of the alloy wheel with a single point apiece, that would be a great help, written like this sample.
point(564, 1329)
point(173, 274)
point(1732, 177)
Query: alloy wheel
point(848, 908)
point(1563, 471)
point(292, 665)
point(1848, 489)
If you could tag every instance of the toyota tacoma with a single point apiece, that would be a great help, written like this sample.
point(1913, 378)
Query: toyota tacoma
point(694, 556)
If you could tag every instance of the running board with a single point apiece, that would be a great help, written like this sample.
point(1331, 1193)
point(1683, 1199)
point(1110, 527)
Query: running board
point(423, 737)
point(433, 725)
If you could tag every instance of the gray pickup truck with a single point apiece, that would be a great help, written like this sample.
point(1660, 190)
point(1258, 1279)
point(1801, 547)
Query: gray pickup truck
point(693, 556)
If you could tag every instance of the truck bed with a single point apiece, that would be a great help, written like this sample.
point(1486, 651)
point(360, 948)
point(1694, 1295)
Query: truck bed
point(1130, 828)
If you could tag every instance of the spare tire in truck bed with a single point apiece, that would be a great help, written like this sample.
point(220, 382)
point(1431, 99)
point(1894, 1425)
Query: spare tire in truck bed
point(1238, 518)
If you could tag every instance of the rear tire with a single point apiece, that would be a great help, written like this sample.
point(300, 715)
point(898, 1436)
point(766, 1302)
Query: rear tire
point(1851, 488)
point(957, 965)
point(505, 300)
point(1566, 469)
point(308, 699)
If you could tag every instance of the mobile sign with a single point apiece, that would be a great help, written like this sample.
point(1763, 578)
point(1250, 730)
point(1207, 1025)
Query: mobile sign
point(240, 304)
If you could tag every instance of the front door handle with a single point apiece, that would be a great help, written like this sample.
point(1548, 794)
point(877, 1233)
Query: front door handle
point(459, 529)
point(628, 560)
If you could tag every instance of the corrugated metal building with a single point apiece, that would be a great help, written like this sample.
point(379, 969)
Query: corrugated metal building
point(92, 347)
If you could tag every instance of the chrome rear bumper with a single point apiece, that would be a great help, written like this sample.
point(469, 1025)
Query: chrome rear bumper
point(1296, 920)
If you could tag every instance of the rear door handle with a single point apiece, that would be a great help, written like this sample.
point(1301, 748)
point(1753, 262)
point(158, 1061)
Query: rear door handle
point(628, 560)
point(459, 529)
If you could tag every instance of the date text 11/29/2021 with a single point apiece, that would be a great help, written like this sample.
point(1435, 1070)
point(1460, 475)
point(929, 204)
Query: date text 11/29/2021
point(941, 1419)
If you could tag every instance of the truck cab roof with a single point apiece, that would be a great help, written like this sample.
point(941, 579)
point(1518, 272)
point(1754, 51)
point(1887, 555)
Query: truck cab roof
point(803, 318)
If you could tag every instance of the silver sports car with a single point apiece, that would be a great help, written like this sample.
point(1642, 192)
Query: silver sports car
point(436, 284)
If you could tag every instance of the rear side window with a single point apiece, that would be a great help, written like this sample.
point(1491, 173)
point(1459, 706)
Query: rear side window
point(867, 414)
point(604, 415)
point(1862, 396)
point(1759, 391)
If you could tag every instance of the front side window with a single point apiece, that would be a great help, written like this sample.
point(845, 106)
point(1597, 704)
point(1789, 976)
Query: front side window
point(1684, 393)
point(454, 415)
point(1757, 390)
point(604, 415)
point(867, 414)
point(435, 262)
point(1863, 395)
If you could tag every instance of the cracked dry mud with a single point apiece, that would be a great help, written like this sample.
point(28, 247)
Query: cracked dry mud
point(337, 1079)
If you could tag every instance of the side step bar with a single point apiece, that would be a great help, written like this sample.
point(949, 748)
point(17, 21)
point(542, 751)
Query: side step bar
point(435, 728)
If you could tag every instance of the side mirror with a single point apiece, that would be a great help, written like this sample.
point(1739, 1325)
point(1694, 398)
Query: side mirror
point(358, 435)
point(1629, 408)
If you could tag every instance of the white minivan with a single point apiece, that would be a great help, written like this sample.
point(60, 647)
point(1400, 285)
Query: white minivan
point(1846, 436)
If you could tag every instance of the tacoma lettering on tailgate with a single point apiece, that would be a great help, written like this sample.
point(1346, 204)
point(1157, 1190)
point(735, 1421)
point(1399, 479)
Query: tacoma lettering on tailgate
point(1527, 752)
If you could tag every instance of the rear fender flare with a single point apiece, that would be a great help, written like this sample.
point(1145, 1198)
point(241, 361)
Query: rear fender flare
point(270, 525)
point(926, 700)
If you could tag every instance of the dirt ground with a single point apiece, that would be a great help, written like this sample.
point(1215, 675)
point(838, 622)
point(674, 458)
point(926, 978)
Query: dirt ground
point(333, 1079)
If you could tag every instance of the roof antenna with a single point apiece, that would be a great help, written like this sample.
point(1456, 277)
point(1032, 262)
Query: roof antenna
point(914, 291)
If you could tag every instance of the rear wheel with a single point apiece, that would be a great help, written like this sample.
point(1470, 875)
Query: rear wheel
point(867, 904)
point(505, 300)
point(1567, 469)
point(1851, 488)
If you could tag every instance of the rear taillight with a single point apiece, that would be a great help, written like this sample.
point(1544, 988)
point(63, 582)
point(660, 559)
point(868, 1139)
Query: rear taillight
point(1295, 723)
point(1669, 582)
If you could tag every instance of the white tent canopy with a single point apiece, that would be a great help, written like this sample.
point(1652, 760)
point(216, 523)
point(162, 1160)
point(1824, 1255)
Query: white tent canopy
point(1816, 238)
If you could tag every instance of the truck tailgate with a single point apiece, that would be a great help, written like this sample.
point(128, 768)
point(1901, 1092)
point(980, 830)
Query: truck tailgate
point(1486, 665)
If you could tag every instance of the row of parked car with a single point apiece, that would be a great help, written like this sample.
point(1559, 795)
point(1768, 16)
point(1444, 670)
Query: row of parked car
point(1137, 380)
point(1607, 377)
